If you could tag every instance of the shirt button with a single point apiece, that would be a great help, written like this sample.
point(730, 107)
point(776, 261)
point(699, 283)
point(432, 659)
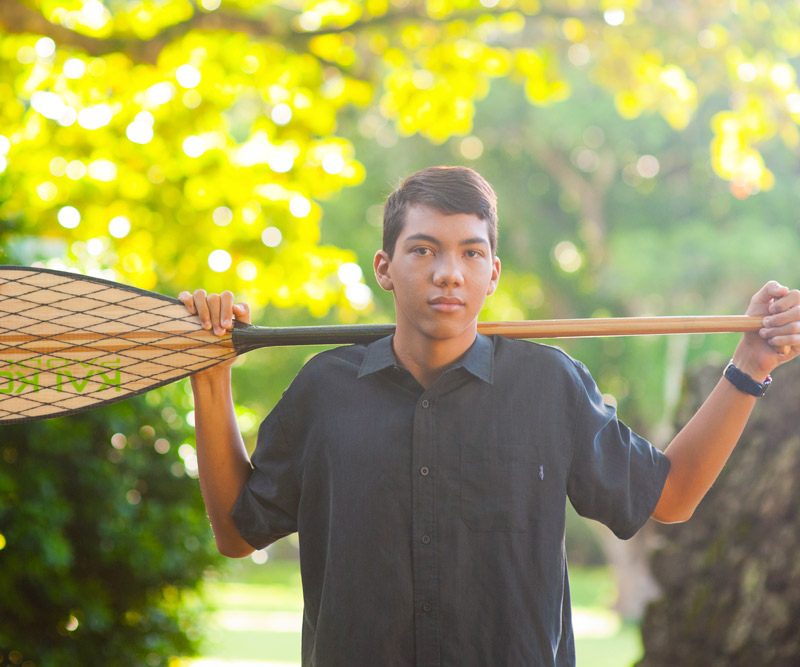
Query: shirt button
point(425, 539)
point(424, 471)
point(426, 403)
point(426, 607)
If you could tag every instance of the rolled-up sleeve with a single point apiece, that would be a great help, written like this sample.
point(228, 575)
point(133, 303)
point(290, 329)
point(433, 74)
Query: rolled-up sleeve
point(267, 506)
point(616, 476)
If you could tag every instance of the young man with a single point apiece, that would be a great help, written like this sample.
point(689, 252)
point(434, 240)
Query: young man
point(427, 473)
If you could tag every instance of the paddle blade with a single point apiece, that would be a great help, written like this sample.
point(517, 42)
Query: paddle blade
point(70, 343)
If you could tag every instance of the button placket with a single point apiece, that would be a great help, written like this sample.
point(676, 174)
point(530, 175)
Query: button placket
point(426, 573)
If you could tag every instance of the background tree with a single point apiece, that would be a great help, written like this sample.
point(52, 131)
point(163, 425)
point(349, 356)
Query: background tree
point(730, 576)
point(103, 537)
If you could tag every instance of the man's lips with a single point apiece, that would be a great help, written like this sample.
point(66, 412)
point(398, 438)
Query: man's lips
point(446, 304)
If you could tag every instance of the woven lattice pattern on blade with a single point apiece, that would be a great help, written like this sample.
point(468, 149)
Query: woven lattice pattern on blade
point(69, 343)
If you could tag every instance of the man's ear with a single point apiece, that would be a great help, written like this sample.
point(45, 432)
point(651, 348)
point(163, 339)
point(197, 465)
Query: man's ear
point(381, 264)
point(495, 276)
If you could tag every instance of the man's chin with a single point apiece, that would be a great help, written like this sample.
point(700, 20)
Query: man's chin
point(442, 331)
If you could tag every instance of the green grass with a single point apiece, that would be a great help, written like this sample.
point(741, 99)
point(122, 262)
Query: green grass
point(258, 611)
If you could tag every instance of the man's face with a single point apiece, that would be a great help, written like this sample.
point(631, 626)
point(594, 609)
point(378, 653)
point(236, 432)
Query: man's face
point(441, 272)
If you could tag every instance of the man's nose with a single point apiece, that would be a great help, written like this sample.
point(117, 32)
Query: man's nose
point(448, 271)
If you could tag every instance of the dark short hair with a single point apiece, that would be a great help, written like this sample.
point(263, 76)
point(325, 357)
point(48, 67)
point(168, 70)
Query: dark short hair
point(448, 190)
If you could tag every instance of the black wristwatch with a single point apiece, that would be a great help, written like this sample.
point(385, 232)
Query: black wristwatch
point(743, 382)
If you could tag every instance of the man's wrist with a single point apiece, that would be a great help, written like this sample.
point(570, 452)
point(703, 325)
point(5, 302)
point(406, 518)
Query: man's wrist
point(214, 377)
point(748, 362)
point(745, 382)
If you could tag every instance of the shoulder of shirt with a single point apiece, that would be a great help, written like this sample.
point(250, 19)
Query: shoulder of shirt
point(521, 362)
point(517, 350)
point(543, 363)
point(330, 364)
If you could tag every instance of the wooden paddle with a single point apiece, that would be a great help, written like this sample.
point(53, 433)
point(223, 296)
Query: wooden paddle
point(69, 342)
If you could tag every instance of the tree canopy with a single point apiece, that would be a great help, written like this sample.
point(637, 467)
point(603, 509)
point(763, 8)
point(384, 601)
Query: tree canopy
point(158, 140)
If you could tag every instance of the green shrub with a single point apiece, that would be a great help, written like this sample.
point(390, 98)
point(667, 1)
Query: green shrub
point(103, 537)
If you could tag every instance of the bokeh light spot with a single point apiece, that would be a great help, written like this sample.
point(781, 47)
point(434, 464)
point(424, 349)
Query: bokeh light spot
point(95, 246)
point(568, 257)
point(471, 148)
point(246, 270)
point(74, 68)
point(69, 217)
point(648, 166)
point(359, 295)
point(350, 273)
point(219, 260)
point(159, 93)
point(299, 206)
point(271, 237)
point(93, 118)
point(281, 114)
point(119, 227)
point(194, 146)
point(188, 76)
point(45, 47)
point(48, 104)
point(222, 216)
point(333, 163)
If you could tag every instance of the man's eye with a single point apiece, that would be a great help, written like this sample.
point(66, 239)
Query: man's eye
point(421, 251)
point(474, 253)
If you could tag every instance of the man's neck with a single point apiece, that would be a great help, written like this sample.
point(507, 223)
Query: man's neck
point(427, 358)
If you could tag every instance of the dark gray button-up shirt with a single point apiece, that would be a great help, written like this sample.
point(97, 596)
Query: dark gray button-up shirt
point(431, 521)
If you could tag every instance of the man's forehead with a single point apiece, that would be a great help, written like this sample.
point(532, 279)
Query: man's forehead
point(426, 222)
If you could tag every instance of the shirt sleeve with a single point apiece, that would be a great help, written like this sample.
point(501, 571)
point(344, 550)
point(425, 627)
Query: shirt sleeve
point(267, 506)
point(616, 476)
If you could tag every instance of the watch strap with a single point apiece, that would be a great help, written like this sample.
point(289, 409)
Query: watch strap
point(744, 383)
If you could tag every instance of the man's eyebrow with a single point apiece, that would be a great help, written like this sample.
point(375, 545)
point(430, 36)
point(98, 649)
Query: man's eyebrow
point(423, 237)
point(474, 241)
point(432, 239)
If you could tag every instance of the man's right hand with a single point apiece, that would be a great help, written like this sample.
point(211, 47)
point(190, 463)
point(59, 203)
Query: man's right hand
point(216, 311)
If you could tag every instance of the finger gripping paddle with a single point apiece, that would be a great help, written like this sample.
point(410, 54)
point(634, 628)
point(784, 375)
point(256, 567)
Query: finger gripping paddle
point(70, 342)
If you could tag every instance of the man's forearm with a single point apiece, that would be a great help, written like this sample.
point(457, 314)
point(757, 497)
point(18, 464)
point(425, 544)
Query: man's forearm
point(699, 451)
point(223, 463)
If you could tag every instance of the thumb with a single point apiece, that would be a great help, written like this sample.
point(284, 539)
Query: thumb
point(242, 312)
point(762, 299)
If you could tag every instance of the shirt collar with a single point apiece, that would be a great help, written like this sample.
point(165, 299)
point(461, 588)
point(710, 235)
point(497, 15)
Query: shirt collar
point(478, 360)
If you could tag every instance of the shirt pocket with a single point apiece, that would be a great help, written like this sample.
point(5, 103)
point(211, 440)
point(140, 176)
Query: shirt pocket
point(500, 488)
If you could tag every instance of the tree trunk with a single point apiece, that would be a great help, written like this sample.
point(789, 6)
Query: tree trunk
point(629, 560)
point(730, 577)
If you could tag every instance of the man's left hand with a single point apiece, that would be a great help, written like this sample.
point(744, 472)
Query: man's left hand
point(778, 341)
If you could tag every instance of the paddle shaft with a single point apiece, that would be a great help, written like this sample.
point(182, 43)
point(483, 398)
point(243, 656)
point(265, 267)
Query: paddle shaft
point(249, 337)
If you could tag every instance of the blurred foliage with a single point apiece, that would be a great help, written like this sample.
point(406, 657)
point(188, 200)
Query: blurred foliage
point(179, 132)
point(104, 537)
